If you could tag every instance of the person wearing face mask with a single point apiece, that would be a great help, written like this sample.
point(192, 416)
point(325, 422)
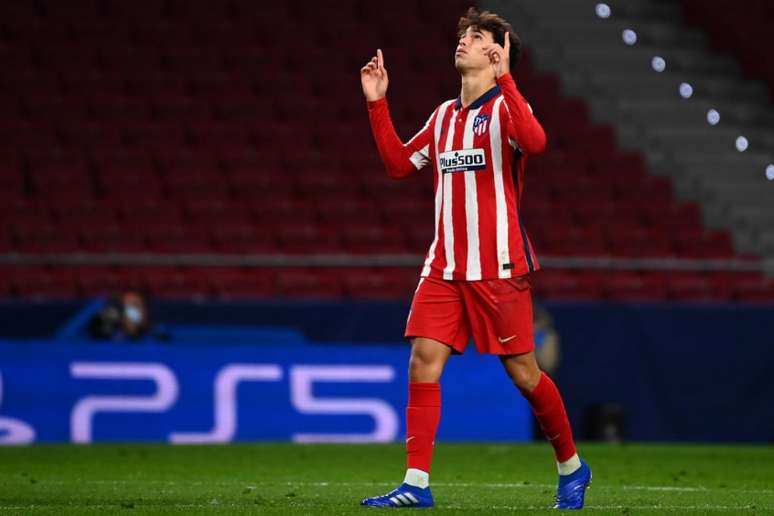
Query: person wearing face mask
point(124, 317)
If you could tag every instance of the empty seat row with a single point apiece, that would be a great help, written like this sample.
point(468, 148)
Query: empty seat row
point(182, 127)
point(231, 282)
point(375, 283)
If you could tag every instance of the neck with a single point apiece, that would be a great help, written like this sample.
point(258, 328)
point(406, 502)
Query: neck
point(475, 84)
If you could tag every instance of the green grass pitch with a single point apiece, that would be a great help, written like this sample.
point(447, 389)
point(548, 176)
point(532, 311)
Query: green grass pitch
point(286, 479)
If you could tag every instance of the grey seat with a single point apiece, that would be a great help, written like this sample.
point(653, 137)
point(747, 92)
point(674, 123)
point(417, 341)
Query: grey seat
point(566, 37)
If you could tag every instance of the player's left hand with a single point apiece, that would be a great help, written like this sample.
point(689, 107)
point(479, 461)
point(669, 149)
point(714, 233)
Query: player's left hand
point(499, 57)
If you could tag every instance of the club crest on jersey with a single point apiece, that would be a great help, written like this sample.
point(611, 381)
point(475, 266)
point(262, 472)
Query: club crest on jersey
point(464, 160)
point(480, 124)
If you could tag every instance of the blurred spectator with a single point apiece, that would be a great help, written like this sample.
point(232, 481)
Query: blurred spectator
point(124, 317)
point(546, 340)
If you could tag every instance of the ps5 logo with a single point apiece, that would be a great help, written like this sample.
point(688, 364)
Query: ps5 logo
point(225, 399)
point(164, 396)
point(13, 431)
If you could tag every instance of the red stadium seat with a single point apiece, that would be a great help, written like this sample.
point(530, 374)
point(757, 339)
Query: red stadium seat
point(42, 282)
point(216, 213)
point(144, 127)
point(248, 183)
point(47, 239)
point(237, 284)
point(631, 286)
point(344, 210)
point(244, 239)
point(304, 238)
point(112, 238)
point(362, 237)
point(97, 281)
point(167, 282)
point(396, 284)
point(178, 239)
point(310, 283)
point(688, 286)
point(567, 285)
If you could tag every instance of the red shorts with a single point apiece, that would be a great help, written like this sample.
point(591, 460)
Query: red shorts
point(497, 313)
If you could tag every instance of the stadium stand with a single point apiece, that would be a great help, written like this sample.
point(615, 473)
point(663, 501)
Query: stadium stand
point(727, 190)
point(197, 127)
point(744, 32)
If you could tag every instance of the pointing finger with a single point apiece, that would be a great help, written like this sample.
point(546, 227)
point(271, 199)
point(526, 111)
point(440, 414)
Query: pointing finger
point(380, 58)
point(507, 41)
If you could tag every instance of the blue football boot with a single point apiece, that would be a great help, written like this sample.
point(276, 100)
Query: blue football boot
point(404, 497)
point(571, 491)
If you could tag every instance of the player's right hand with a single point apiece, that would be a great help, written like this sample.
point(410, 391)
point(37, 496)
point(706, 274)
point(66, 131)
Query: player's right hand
point(373, 77)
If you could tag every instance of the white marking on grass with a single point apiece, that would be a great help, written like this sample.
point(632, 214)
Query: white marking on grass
point(504, 485)
point(114, 506)
point(657, 507)
point(491, 485)
point(660, 488)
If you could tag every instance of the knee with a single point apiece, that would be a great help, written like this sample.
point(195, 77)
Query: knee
point(525, 376)
point(424, 369)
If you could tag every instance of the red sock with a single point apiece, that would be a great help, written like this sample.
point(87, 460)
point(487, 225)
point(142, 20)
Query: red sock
point(422, 415)
point(549, 410)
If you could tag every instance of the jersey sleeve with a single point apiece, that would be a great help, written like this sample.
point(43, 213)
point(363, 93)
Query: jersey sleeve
point(524, 130)
point(400, 159)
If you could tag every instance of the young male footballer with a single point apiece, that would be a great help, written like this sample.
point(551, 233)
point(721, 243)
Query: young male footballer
point(475, 279)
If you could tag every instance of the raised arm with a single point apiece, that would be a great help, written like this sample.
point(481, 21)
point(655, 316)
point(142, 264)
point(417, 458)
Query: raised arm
point(524, 127)
point(400, 160)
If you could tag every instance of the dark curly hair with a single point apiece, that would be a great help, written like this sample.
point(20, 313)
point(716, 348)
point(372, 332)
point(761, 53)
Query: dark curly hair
point(498, 26)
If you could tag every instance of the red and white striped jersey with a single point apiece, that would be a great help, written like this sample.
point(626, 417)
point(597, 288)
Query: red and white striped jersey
point(477, 155)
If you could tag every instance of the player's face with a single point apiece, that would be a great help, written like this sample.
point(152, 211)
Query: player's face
point(469, 53)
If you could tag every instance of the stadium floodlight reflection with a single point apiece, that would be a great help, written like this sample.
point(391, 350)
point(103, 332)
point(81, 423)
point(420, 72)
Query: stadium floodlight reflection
point(602, 10)
point(686, 90)
point(713, 117)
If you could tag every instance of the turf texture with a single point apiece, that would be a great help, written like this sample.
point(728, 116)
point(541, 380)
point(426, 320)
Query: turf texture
point(287, 479)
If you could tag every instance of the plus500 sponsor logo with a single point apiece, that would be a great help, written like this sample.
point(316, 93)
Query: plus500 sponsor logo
point(463, 160)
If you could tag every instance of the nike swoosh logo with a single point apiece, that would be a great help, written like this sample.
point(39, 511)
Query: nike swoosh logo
point(506, 339)
point(410, 438)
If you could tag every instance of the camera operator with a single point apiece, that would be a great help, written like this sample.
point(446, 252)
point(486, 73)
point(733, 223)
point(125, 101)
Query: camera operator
point(124, 317)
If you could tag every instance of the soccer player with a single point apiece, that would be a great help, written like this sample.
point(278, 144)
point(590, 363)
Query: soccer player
point(475, 279)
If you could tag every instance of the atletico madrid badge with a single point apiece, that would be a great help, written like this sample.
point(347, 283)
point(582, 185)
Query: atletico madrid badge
point(480, 124)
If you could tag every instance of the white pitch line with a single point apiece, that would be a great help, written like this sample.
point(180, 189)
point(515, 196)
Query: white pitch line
point(491, 485)
point(520, 485)
point(658, 507)
point(659, 488)
point(117, 505)
point(500, 485)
